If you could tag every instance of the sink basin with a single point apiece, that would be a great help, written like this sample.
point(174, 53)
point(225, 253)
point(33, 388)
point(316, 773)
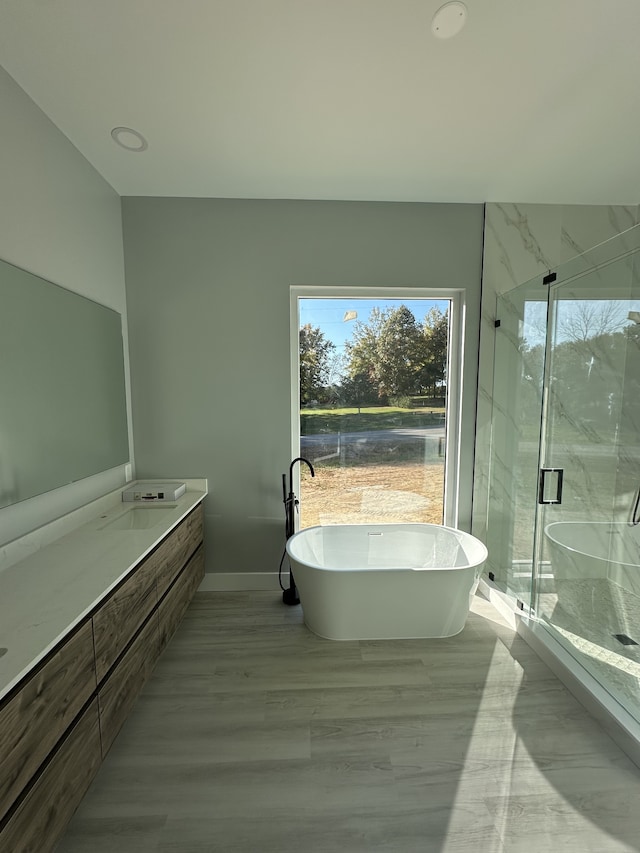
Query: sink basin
point(140, 517)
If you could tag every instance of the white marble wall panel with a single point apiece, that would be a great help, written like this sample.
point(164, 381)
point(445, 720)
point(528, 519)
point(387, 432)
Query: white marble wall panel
point(520, 242)
point(523, 241)
point(583, 227)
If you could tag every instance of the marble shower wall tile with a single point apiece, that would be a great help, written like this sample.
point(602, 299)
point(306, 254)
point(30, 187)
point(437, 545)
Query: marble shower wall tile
point(520, 242)
point(523, 241)
point(583, 227)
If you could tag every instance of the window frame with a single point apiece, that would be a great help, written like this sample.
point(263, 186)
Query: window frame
point(455, 368)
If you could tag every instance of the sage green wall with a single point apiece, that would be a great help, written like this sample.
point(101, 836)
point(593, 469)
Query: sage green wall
point(61, 220)
point(208, 305)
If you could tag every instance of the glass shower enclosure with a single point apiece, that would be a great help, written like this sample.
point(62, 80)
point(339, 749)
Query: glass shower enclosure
point(563, 529)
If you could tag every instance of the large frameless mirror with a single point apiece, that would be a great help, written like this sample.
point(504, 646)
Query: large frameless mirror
point(63, 414)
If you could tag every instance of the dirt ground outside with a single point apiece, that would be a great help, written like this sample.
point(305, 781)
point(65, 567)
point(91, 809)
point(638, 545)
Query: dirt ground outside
point(372, 494)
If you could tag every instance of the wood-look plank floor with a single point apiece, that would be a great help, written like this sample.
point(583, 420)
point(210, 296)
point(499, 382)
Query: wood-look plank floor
point(255, 735)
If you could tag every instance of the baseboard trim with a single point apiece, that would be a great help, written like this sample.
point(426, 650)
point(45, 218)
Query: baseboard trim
point(239, 581)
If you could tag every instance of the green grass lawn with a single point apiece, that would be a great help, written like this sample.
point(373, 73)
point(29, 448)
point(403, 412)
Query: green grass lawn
point(317, 421)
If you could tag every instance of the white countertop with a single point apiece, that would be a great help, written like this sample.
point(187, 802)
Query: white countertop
point(44, 595)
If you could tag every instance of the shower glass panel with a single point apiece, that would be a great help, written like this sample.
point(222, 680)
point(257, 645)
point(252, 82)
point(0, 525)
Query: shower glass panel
point(517, 408)
point(586, 582)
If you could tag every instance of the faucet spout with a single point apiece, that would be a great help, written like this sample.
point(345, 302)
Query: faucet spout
point(306, 462)
point(290, 500)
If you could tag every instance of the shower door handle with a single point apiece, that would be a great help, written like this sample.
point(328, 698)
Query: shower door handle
point(542, 486)
point(635, 513)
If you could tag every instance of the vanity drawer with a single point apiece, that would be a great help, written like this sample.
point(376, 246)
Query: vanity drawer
point(118, 694)
point(173, 605)
point(118, 619)
point(174, 552)
point(41, 818)
point(35, 717)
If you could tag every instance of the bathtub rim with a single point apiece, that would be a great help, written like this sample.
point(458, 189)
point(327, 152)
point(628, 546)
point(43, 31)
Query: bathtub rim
point(410, 524)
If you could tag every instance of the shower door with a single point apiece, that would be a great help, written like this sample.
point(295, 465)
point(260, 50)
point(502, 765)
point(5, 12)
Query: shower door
point(515, 437)
point(586, 579)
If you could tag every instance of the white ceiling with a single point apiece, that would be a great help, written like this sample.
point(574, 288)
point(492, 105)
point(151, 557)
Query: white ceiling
point(534, 101)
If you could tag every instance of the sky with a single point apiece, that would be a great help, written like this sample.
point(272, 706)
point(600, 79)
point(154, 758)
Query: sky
point(328, 314)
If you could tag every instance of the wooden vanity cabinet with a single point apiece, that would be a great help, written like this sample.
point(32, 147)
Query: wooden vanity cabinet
point(34, 717)
point(120, 691)
point(120, 617)
point(173, 606)
point(58, 724)
point(48, 805)
point(172, 554)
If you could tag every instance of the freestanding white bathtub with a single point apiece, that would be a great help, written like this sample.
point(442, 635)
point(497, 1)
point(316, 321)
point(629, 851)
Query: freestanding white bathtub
point(385, 581)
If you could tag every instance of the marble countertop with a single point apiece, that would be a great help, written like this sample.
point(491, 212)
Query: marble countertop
point(45, 594)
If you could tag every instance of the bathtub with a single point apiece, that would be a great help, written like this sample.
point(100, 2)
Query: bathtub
point(385, 581)
point(604, 550)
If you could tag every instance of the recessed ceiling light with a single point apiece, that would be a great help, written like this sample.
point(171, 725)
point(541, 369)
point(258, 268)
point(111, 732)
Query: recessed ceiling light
point(449, 20)
point(130, 139)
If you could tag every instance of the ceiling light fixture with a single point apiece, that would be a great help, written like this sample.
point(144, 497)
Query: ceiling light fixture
point(130, 139)
point(449, 20)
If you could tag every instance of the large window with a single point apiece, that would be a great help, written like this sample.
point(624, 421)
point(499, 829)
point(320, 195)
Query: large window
point(372, 412)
